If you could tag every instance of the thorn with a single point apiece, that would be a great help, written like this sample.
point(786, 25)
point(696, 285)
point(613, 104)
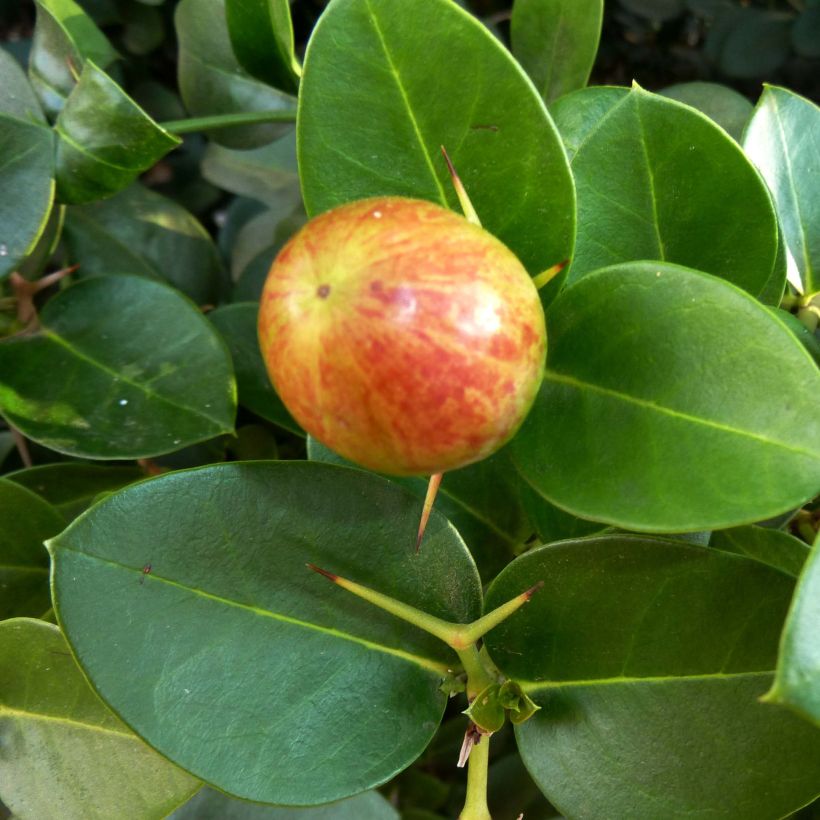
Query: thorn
point(150, 467)
point(73, 69)
point(461, 193)
point(549, 274)
point(329, 575)
point(531, 591)
point(432, 490)
point(22, 446)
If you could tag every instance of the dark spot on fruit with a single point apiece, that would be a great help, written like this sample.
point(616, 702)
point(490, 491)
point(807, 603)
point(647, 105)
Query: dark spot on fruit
point(322, 291)
point(376, 286)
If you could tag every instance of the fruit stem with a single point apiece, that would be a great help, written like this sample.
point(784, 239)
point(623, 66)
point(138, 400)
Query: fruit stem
point(461, 192)
point(475, 806)
point(548, 275)
point(432, 490)
point(192, 124)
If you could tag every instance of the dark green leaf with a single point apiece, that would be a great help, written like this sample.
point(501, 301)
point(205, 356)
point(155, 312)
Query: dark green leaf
point(41, 254)
point(782, 140)
point(105, 139)
point(265, 679)
point(212, 82)
point(26, 165)
point(648, 658)
point(237, 324)
point(797, 684)
point(672, 401)
point(28, 521)
point(774, 547)
point(140, 232)
point(551, 523)
point(577, 114)
point(144, 28)
point(64, 38)
point(556, 42)
point(262, 38)
point(486, 710)
point(723, 105)
point(758, 45)
point(17, 98)
point(388, 83)
point(480, 500)
point(657, 180)
point(809, 340)
point(72, 487)
point(122, 368)
point(806, 33)
point(66, 755)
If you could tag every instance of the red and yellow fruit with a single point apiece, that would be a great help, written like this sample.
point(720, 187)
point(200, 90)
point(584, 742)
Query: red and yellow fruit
point(402, 336)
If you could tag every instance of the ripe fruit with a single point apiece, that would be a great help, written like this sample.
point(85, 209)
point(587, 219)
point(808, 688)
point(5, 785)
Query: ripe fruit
point(402, 336)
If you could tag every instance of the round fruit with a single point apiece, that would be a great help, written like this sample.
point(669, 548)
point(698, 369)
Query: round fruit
point(402, 336)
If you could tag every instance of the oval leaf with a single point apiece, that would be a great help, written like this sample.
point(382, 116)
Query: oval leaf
point(723, 105)
point(17, 97)
point(556, 42)
point(782, 141)
point(105, 140)
point(122, 383)
point(657, 180)
point(773, 547)
point(578, 113)
point(654, 414)
point(69, 756)
point(258, 668)
point(387, 83)
point(648, 658)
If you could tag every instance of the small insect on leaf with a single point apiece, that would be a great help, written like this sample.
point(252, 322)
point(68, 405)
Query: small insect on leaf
point(145, 571)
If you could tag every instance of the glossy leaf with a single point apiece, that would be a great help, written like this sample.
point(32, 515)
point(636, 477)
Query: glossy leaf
point(237, 324)
point(66, 755)
point(28, 521)
point(556, 42)
point(480, 500)
point(809, 340)
point(261, 34)
point(782, 140)
point(211, 81)
point(141, 232)
point(773, 547)
point(17, 98)
point(797, 684)
point(27, 151)
point(73, 487)
point(213, 805)
point(64, 38)
point(267, 681)
point(648, 658)
point(657, 180)
point(725, 106)
point(134, 371)
point(105, 139)
point(41, 254)
point(579, 112)
point(551, 523)
point(387, 83)
point(622, 433)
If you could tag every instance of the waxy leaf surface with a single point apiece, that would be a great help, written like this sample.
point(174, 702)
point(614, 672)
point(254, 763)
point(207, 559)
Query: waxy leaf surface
point(672, 401)
point(28, 521)
point(134, 370)
point(577, 114)
point(648, 658)
point(556, 42)
point(773, 547)
point(266, 680)
point(65, 754)
point(387, 83)
point(658, 180)
point(17, 98)
point(729, 109)
point(783, 141)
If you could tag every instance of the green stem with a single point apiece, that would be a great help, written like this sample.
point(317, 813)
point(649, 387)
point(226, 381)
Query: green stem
point(478, 678)
point(188, 126)
point(475, 806)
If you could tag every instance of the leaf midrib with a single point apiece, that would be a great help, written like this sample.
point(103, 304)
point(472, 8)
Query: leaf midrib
point(537, 686)
point(20, 714)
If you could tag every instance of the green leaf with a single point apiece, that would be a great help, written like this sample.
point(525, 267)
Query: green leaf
point(486, 710)
point(17, 98)
point(144, 28)
point(797, 684)
point(556, 42)
point(774, 547)
point(265, 680)
point(806, 33)
point(211, 81)
point(261, 34)
point(105, 139)
point(480, 500)
point(577, 114)
point(648, 658)
point(72, 487)
point(33, 266)
point(551, 523)
point(656, 10)
point(64, 38)
point(67, 755)
point(134, 370)
point(723, 105)
point(28, 521)
point(209, 804)
point(809, 340)
point(141, 232)
point(672, 402)
point(782, 141)
point(757, 45)
point(27, 164)
point(237, 324)
point(387, 83)
point(657, 180)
